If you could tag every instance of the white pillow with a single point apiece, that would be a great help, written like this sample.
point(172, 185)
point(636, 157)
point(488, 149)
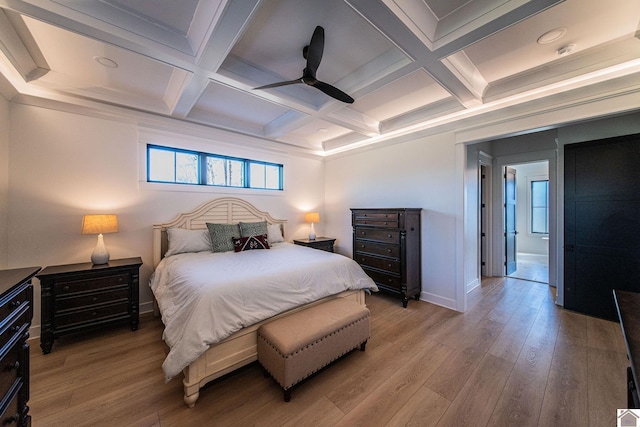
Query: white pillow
point(181, 241)
point(274, 234)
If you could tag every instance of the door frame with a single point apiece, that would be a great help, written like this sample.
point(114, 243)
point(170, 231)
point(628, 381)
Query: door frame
point(498, 212)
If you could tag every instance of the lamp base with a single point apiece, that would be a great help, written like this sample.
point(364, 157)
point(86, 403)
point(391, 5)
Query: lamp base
point(100, 255)
point(312, 233)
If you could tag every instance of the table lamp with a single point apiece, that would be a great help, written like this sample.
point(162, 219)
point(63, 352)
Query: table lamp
point(99, 224)
point(312, 217)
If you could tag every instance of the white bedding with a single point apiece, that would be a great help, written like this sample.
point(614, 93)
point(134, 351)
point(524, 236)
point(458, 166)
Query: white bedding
point(204, 297)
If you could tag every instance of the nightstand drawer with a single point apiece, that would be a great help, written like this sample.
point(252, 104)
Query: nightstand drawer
point(84, 285)
point(389, 265)
point(97, 298)
point(73, 318)
point(363, 246)
point(379, 235)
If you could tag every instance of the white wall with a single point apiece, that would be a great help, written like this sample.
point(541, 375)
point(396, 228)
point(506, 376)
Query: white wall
point(416, 174)
point(4, 180)
point(65, 165)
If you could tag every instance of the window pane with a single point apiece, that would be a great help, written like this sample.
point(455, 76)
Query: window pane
point(539, 193)
point(539, 220)
point(540, 207)
point(186, 168)
point(273, 177)
point(236, 173)
point(256, 173)
point(225, 172)
point(161, 165)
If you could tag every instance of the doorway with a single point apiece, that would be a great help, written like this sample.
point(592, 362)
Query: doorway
point(526, 221)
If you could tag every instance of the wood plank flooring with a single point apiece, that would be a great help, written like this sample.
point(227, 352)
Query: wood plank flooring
point(513, 359)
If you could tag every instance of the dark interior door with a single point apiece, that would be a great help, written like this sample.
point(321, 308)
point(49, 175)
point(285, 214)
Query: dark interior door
point(510, 231)
point(602, 223)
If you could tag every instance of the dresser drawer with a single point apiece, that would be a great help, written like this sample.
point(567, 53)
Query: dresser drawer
point(15, 328)
point(10, 366)
point(389, 280)
point(379, 235)
point(83, 300)
point(377, 220)
point(92, 284)
point(363, 246)
point(386, 264)
point(14, 301)
point(10, 415)
point(74, 318)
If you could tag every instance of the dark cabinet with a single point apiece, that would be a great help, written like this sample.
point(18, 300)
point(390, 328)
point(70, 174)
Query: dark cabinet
point(16, 312)
point(386, 244)
point(78, 297)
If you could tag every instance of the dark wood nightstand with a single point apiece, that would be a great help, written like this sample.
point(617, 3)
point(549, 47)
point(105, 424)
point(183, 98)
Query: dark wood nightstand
point(322, 243)
point(79, 297)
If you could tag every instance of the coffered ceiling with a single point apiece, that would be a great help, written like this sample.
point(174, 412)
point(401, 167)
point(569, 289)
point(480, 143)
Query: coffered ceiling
point(409, 64)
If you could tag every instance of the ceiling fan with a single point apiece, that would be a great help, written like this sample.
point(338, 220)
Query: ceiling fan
point(313, 55)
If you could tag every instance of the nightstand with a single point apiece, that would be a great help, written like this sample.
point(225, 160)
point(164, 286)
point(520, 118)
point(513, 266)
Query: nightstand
point(80, 297)
point(322, 243)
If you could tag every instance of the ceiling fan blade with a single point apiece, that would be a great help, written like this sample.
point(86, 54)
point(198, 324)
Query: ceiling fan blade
point(315, 50)
point(333, 92)
point(290, 82)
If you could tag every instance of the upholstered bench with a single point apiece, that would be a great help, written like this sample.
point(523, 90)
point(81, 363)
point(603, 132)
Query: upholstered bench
point(293, 347)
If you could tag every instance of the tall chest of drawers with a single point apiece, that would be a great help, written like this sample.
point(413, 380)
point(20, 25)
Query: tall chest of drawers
point(386, 244)
point(80, 297)
point(16, 312)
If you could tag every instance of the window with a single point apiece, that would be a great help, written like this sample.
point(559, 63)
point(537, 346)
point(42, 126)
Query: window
point(175, 166)
point(540, 207)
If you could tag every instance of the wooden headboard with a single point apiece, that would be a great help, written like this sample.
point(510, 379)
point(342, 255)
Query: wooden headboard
point(225, 210)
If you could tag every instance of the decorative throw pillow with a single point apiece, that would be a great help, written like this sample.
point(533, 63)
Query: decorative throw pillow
point(222, 235)
point(253, 228)
point(249, 243)
point(181, 241)
point(274, 234)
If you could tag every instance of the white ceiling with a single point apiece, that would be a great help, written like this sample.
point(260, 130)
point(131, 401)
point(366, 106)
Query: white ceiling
point(409, 64)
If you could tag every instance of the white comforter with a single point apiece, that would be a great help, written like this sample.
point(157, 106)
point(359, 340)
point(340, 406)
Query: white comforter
point(204, 297)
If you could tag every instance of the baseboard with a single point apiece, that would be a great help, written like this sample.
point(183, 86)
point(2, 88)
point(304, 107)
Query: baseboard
point(438, 300)
point(473, 284)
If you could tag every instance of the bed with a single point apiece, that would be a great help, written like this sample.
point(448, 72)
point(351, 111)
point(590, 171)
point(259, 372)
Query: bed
point(227, 353)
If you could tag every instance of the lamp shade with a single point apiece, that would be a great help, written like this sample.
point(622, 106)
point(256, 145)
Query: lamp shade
point(312, 217)
point(99, 224)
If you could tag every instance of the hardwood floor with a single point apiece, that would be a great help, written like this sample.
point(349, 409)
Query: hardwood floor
point(513, 359)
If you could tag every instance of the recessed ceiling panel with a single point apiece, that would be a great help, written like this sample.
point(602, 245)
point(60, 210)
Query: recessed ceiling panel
point(589, 23)
point(223, 102)
point(87, 65)
point(406, 94)
point(313, 133)
point(274, 41)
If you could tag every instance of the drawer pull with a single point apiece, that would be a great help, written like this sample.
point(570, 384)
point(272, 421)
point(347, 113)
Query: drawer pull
point(94, 299)
point(66, 288)
point(12, 419)
point(14, 304)
point(389, 250)
point(362, 246)
point(363, 232)
point(390, 280)
point(389, 235)
point(12, 366)
point(389, 265)
point(94, 313)
point(15, 328)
